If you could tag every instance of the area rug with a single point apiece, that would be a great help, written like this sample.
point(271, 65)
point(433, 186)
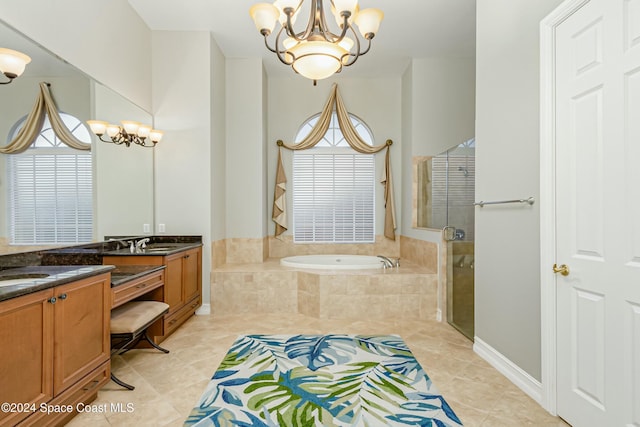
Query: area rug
point(321, 381)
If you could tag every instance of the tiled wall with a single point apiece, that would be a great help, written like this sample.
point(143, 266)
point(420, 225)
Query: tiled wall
point(419, 252)
point(407, 293)
point(253, 251)
point(246, 279)
point(284, 246)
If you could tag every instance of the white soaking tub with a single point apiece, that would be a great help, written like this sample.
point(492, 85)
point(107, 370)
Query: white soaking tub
point(333, 262)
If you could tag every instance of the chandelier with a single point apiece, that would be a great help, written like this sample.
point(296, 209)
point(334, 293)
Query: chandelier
point(316, 52)
point(12, 63)
point(129, 133)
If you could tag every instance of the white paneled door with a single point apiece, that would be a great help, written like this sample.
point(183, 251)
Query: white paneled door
point(597, 105)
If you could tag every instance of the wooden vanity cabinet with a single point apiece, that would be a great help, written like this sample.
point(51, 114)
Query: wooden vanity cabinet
point(55, 349)
point(182, 286)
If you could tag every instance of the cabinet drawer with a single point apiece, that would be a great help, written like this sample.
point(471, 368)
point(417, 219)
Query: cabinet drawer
point(179, 317)
point(135, 288)
point(84, 391)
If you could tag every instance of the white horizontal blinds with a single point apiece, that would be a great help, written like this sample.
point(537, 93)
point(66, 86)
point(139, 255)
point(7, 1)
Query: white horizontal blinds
point(51, 198)
point(50, 193)
point(333, 188)
point(333, 197)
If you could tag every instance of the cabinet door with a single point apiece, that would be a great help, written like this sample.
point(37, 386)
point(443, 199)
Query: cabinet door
point(173, 294)
point(26, 352)
point(81, 333)
point(191, 275)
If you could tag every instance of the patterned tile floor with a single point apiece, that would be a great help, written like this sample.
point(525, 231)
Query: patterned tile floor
point(169, 385)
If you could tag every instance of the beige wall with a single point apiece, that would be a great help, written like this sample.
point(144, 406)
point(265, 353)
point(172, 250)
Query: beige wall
point(507, 278)
point(438, 112)
point(89, 35)
point(182, 108)
point(245, 149)
point(218, 143)
point(123, 185)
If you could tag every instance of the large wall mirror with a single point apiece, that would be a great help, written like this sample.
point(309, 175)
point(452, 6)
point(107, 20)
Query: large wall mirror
point(123, 177)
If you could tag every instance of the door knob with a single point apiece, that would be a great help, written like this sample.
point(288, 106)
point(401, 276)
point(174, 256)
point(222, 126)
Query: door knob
point(562, 269)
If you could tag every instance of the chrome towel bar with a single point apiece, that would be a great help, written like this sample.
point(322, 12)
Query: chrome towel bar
point(530, 201)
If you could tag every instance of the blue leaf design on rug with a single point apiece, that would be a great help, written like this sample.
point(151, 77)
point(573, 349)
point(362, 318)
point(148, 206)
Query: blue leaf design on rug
point(321, 381)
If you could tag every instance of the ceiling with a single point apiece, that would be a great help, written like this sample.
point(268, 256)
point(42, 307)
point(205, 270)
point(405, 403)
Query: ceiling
point(410, 29)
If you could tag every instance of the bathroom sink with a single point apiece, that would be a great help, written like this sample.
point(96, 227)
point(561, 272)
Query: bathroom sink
point(159, 249)
point(17, 279)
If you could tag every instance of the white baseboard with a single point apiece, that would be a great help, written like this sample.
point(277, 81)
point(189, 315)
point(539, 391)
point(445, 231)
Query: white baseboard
point(204, 310)
point(524, 381)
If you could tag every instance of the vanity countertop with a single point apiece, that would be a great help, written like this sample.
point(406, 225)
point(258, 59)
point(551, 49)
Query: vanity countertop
point(15, 282)
point(155, 249)
point(125, 273)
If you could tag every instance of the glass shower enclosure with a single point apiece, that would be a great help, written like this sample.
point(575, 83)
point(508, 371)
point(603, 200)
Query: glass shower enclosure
point(445, 200)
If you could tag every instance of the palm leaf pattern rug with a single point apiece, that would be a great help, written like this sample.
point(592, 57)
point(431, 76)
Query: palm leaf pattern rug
point(321, 381)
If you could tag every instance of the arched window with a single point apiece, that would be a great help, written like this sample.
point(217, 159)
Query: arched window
point(50, 188)
point(333, 188)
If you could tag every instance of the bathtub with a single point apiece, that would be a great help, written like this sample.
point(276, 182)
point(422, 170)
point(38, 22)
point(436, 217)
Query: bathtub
point(332, 262)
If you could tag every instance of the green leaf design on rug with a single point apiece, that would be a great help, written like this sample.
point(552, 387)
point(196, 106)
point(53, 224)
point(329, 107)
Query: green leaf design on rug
point(321, 381)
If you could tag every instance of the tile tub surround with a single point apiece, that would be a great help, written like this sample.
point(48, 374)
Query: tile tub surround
point(419, 252)
point(284, 246)
point(405, 293)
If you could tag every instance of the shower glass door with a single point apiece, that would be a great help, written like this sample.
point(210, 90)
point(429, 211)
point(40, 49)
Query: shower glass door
point(453, 186)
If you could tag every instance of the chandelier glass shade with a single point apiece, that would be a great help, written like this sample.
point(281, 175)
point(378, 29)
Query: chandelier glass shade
point(316, 52)
point(12, 63)
point(129, 133)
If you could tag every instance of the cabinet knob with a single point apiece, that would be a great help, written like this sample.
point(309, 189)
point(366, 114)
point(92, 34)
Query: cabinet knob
point(52, 300)
point(63, 297)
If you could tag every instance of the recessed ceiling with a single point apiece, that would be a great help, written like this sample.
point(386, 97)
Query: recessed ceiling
point(410, 29)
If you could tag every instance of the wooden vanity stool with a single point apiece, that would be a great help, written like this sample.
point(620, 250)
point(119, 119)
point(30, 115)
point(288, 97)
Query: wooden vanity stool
point(129, 324)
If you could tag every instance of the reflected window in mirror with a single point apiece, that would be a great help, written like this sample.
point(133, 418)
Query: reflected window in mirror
point(50, 188)
point(333, 187)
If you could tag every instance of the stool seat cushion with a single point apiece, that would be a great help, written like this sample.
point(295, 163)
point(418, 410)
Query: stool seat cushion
point(133, 316)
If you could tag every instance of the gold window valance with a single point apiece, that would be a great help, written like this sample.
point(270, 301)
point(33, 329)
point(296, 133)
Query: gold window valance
point(44, 105)
point(279, 215)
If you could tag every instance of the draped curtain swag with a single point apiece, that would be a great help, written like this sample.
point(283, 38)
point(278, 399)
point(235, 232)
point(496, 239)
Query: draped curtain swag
point(354, 140)
point(33, 125)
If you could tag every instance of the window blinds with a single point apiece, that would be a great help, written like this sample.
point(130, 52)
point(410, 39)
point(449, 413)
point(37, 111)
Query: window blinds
point(333, 198)
point(51, 197)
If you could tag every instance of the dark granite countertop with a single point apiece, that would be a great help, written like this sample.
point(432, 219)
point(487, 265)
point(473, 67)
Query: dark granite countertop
point(125, 273)
point(156, 249)
point(36, 278)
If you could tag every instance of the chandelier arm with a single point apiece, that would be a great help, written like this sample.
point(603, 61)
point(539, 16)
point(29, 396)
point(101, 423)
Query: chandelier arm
point(345, 27)
point(266, 43)
point(357, 53)
point(368, 47)
point(311, 24)
point(279, 52)
point(329, 35)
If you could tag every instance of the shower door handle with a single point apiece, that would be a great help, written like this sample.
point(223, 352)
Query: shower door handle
point(449, 233)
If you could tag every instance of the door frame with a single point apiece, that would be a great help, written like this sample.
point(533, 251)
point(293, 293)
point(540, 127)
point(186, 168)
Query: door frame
point(548, 282)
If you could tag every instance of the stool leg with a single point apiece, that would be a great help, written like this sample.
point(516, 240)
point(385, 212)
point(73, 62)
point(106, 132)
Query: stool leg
point(154, 345)
point(121, 383)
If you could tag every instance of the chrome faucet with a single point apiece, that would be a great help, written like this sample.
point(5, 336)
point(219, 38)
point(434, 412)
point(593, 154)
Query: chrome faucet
point(141, 244)
point(127, 243)
point(386, 261)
